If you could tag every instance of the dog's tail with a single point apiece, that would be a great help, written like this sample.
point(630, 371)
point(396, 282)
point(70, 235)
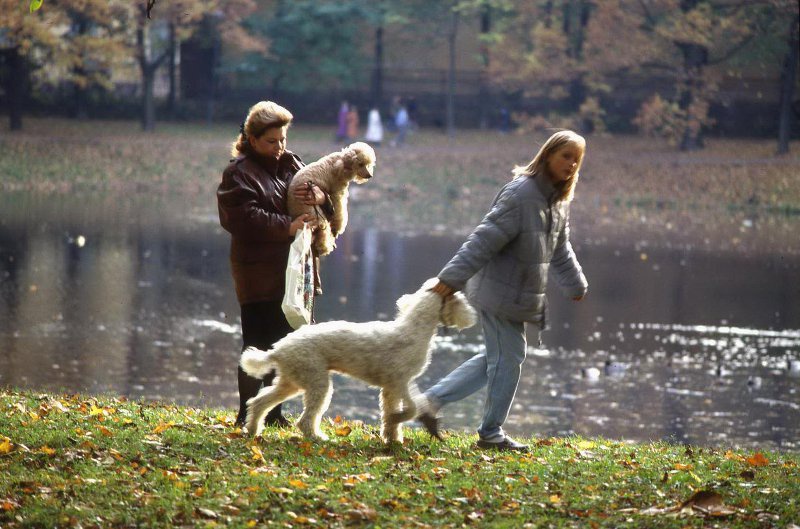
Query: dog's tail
point(256, 362)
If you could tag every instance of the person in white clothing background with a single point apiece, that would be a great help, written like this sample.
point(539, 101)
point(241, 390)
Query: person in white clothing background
point(374, 135)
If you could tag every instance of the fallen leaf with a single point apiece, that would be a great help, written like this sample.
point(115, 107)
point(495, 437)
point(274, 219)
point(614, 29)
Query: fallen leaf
point(8, 505)
point(296, 483)
point(258, 455)
point(708, 502)
point(163, 426)
point(105, 431)
point(207, 513)
point(758, 460)
point(6, 446)
point(343, 431)
point(281, 490)
point(363, 513)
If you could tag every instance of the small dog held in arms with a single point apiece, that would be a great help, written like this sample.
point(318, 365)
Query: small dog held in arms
point(386, 354)
point(333, 174)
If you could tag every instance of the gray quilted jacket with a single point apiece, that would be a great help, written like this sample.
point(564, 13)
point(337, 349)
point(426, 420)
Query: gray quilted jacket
point(504, 262)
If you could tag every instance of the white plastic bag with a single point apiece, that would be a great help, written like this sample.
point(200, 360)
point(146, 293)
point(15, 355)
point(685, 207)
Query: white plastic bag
point(298, 300)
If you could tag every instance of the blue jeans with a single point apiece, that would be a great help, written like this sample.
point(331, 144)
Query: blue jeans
point(498, 368)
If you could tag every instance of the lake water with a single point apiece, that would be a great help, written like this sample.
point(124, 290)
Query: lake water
point(134, 298)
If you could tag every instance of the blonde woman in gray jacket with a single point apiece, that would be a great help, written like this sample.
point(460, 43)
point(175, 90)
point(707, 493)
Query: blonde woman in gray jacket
point(503, 267)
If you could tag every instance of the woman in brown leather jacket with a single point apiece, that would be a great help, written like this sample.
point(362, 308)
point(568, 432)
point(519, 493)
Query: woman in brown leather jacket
point(252, 207)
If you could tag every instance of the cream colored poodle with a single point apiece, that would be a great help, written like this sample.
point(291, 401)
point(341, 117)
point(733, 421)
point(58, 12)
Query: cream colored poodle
point(387, 354)
point(333, 174)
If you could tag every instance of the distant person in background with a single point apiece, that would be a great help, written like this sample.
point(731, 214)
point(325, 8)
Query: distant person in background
point(352, 123)
point(401, 124)
point(505, 120)
point(393, 108)
point(341, 122)
point(374, 135)
point(413, 118)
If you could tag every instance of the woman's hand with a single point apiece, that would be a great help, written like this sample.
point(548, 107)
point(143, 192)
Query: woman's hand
point(310, 195)
point(443, 289)
point(578, 298)
point(297, 224)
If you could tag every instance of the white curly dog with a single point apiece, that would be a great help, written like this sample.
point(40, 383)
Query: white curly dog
point(386, 354)
point(333, 174)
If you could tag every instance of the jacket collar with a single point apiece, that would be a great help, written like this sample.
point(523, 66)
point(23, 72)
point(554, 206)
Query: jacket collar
point(546, 188)
point(268, 163)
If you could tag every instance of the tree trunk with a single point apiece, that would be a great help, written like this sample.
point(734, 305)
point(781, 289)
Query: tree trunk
point(548, 13)
point(173, 73)
point(148, 70)
point(451, 76)
point(15, 87)
point(484, 101)
point(81, 111)
point(578, 91)
point(377, 74)
point(212, 85)
point(80, 84)
point(694, 59)
point(148, 102)
point(788, 76)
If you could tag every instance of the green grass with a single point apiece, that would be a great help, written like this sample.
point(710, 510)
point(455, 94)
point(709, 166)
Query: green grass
point(80, 461)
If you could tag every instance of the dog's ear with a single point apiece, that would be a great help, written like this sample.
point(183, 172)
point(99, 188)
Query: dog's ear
point(350, 159)
point(339, 167)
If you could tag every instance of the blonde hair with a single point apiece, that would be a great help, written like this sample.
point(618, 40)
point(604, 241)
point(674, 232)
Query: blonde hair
point(261, 116)
point(538, 165)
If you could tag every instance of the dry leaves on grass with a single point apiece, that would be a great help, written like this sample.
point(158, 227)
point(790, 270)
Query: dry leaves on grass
point(704, 502)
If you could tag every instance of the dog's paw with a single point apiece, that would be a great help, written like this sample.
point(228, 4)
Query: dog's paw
point(319, 436)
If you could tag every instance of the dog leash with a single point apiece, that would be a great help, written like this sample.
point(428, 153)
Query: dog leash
point(317, 210)
point(442, 316)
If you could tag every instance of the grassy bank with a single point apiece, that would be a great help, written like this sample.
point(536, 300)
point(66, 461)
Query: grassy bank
point(78, 461)
point(734, 194)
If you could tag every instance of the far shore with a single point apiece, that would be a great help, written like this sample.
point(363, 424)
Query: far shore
point(734, 195)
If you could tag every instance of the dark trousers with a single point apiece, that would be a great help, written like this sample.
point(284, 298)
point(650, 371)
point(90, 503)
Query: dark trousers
point(263, 324)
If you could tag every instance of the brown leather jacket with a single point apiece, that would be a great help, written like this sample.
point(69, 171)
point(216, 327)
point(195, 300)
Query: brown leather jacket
point(252, 206)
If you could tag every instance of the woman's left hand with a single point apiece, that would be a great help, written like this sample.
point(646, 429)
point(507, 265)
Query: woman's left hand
point(310, 195)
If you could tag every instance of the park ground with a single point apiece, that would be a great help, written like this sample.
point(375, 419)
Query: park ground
point(100, 461)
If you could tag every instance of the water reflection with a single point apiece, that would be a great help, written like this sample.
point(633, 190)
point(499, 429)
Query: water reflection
point(124, 297)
